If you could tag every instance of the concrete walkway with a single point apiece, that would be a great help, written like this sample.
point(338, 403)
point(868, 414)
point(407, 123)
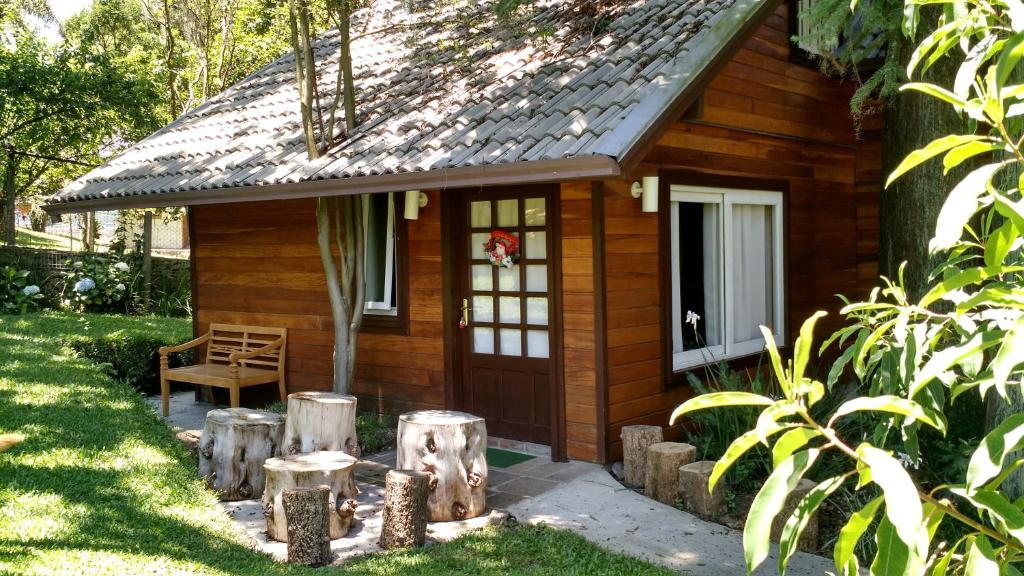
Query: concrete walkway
point(576, 496)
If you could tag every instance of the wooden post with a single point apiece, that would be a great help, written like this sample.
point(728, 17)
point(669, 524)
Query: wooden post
point(452, 448)
point(308, 511)
point(321, 421)
point(331, 468)
point(147, 258)
point(405, 509)
point(635, 441)
point(233, 447)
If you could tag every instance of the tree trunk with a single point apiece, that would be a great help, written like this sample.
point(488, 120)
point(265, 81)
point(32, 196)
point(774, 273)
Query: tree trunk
point(172, 77)
point(333, 469)
point(663, 462)
point(635, 441)
point(308, 514)
point(451, 447)
point(405, 509)
point(233, 447)
point(345, 65)
point(321, 421)
point(910, 207)
point(10, 197)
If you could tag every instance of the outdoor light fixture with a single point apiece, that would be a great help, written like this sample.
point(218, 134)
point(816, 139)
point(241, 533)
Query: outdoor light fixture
point(648, 192)
point(414, 200)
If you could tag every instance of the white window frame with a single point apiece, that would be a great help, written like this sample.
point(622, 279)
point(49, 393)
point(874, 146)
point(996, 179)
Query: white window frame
point(726, 198)
point(383, 308)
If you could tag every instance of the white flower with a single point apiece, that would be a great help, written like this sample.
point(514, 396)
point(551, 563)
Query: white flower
point(692, 318)
point(905, 460)
point(122, 266)
point(119, 286)
point(30, 290)
point(84, 285)
point(77, 264)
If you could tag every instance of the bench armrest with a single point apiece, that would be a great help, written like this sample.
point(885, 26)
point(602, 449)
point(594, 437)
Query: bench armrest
point(234, 357)
point(165, 350)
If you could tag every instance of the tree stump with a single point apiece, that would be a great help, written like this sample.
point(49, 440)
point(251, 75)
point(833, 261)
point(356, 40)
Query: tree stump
point(663, 462)
point(635, 441)
point(808, 541)
point(308, 514)
point(233, 447)
point(405, 509)
point(321, 421)
point(451, 447)
point(330, 468)
point(693, 490)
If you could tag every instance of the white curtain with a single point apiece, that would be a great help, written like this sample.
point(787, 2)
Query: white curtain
point(712, 276)
point(752, 270)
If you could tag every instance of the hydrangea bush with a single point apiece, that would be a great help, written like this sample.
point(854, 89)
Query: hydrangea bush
point(17, 293)
point(97, 284)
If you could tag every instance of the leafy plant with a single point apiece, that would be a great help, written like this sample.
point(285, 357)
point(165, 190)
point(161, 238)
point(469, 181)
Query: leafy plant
point(17, 295)
point(914, 358)
point(129, 356)
point(98, 284)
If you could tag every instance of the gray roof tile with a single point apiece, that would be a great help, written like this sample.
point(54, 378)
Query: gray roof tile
point(424, 105)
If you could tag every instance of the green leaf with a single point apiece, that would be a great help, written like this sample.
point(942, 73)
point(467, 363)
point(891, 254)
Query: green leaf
point(791, 442)
point(990, 456)
point(934, 148)
point(960, 280)
point(736, 449)
point(947, 358)
point(960, 206)
point(769, 502)
point(718, 399)
point(999, 243)
point(957, 155)
point(852, 532)
point(1009, 56)
point(1009, 356)
point(802, 347)
point(902, 503)
point(993, 502)
point(776, 360)
point(797, 522)
point(770, 416)
point(893, 556)
point(981, 559)
point(891, 404)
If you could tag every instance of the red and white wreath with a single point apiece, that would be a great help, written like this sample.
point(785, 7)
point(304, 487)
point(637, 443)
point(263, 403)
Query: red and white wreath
point(502, 248)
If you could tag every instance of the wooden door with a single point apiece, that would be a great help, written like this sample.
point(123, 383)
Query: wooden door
point(506, 345)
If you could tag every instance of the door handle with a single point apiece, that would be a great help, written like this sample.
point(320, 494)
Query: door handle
point(464, 320)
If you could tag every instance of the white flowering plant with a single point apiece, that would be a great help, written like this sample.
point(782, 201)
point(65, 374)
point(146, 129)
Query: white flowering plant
point(97, 284)
point(17, 293)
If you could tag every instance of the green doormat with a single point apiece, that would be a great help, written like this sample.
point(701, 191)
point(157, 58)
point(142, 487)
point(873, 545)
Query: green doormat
point(498, 458)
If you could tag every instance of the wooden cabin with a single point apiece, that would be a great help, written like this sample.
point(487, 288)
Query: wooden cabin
point(758, 203)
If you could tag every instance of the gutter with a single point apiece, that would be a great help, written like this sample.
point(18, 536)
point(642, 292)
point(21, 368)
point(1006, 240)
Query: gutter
point(533, 172)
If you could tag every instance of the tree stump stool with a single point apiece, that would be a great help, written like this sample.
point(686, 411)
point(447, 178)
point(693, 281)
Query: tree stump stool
point(663, 462)
point(808, 541)
point(451, 447)
point(693, 490)
point(405, 509)
point(321, 421)
point(635, 441)
point(308, 514)
point(233, 447)
point(330, 468)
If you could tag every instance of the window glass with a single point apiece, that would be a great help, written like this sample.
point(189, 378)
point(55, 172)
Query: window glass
point(381, 246)
point(725, 272)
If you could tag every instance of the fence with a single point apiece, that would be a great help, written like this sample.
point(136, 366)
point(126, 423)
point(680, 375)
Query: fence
point(170, 277)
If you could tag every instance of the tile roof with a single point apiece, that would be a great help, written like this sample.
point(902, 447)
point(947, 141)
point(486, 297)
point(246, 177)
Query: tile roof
point(433, 98)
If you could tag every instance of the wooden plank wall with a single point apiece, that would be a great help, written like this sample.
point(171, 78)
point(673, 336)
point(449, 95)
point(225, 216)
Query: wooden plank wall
point(258, 263)
point(767, 118)
point(578, 305)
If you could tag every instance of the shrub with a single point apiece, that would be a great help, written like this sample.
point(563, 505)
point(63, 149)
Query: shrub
point(132, 357)
point(17, 294)
point(98, 284)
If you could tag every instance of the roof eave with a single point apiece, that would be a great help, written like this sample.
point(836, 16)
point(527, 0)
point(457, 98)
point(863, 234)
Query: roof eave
point(538, 171)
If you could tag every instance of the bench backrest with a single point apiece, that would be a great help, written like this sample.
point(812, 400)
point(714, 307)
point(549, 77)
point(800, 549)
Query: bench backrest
point(229, 338)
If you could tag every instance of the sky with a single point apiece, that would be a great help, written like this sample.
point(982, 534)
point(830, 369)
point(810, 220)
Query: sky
point(62, 9)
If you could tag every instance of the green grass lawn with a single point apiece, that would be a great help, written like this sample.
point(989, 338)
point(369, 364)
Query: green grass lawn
point(100, 486)
point(33, 239)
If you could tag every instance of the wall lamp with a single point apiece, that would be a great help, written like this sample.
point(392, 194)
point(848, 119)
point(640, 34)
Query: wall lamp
point(647, 192)
point(414, 200)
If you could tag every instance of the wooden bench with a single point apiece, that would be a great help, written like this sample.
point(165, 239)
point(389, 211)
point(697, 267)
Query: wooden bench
point(236, 357)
